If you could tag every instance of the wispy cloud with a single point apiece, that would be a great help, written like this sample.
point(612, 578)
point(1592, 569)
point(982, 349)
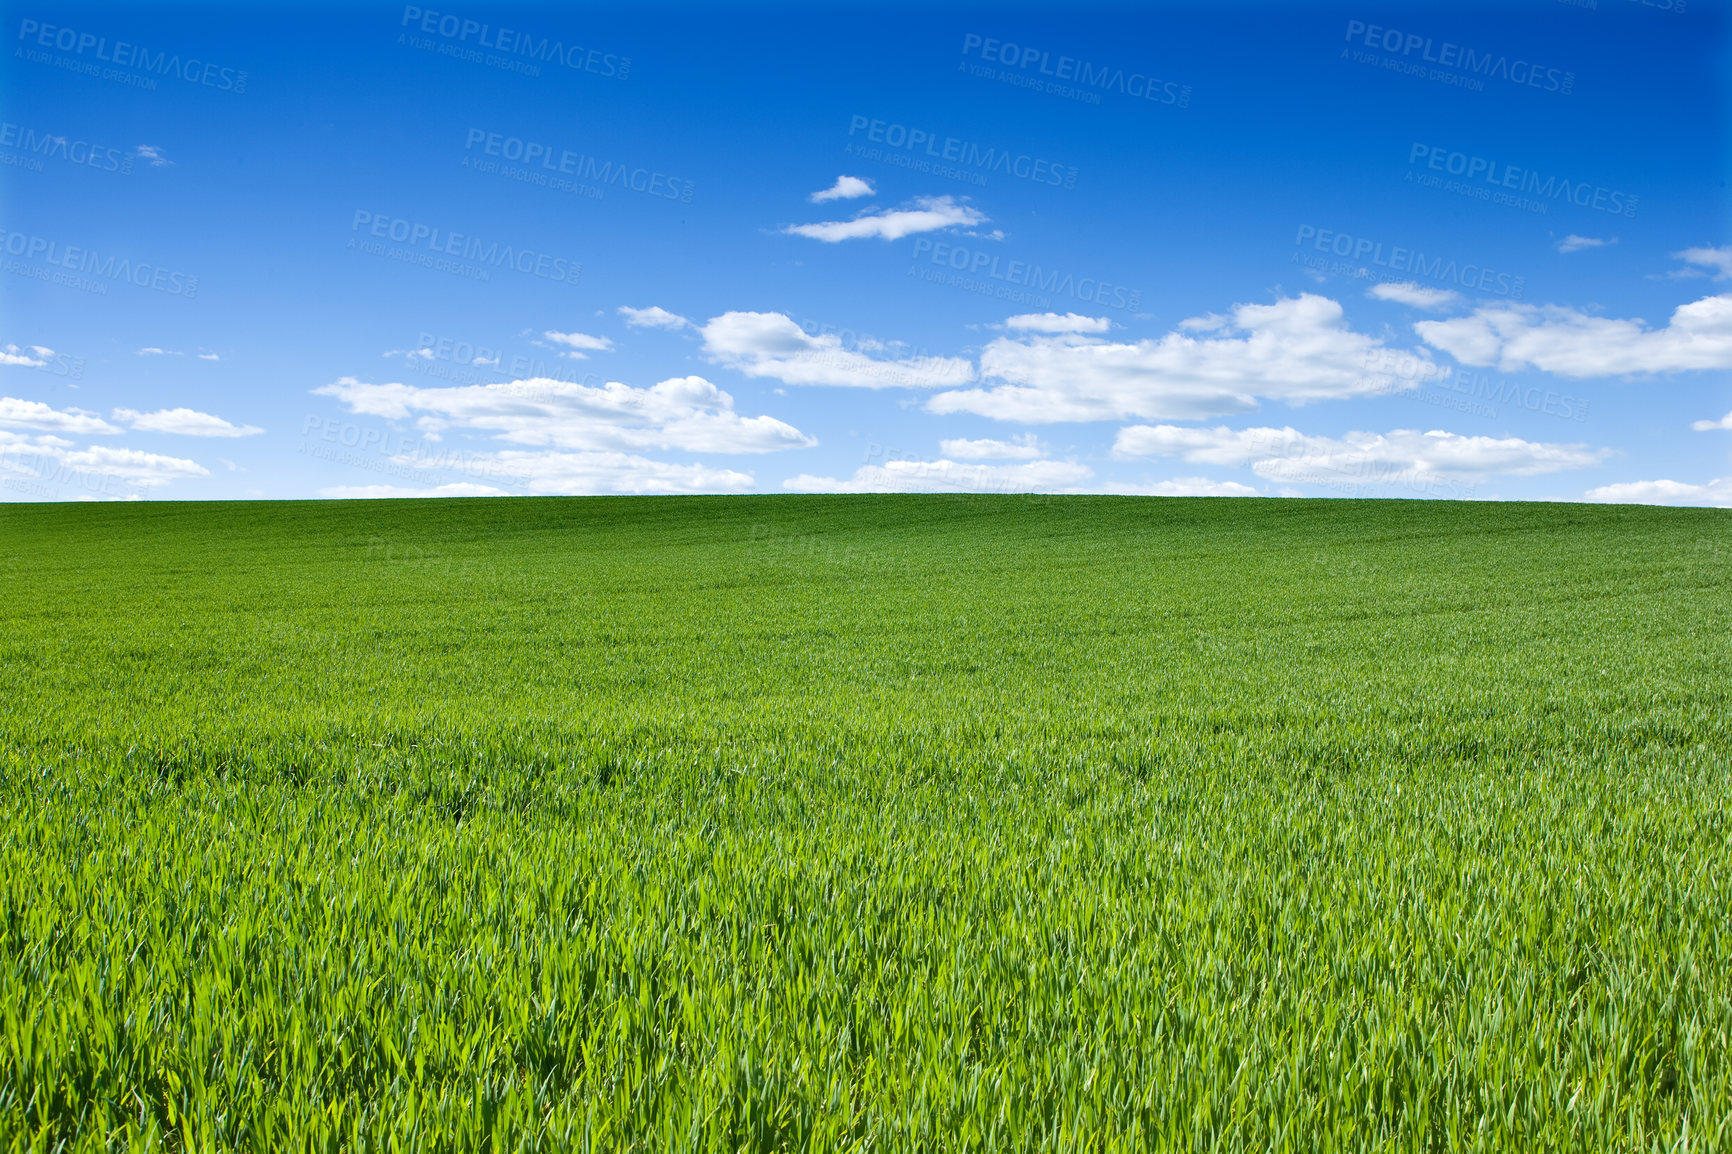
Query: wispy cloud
point(183, 423)
point(947, 476)
point(1705, 262)
point(929, 214)
point(16, 413)
point(845, 188)
point(1569, 343)
point(1021, 448)
point(654, 317)
point(686, 413)
point(1404, 456)
point(580, 344)
point(30, 357)
point(1297, 349)
point(376, 492)
point(772, 345)
point(1054, 323)
point(1414, 295)
point(1715, 494)
point(1574, 243)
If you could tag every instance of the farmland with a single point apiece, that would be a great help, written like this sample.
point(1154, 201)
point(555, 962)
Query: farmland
point(881, 822)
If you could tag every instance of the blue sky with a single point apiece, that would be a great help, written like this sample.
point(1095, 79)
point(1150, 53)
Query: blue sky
point(1454, 251)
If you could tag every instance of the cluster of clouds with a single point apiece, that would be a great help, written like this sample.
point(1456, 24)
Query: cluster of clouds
point(772, 345)
point(26, 356)
point(921, 214)
point(1716, 493)
point(554, 436)
point(682, 413)
point(1569, 343)
point(1048, 368)
point(16, 413)
point(34, 440)
point(595, 473)
point(1402, 457)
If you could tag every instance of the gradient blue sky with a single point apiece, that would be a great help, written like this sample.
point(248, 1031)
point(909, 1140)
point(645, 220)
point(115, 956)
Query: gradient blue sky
point(1231, 299)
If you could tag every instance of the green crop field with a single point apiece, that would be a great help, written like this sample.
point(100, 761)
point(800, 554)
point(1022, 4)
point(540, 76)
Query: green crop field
point(876, 823)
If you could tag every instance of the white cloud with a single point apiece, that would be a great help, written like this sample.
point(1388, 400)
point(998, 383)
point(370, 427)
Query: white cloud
point(15, 446)
point(1403, 457)
point(153, 154)
point(654, 317)
point(1568, 343)
point(183, 423)
point(1023, 448)
point(1574, 243)
point(598, 473)
point(153, 351)
point(580, 343)
point(1714, 262)
point(20, 414)
point(772, 345)
point(134, 465)
point(931, 213)
point(1054, 323)
point(1185, 487)
point(32, 358)
point(947, 476)
point(679, 413)
point(26, 455)
point(1716, 493)
point(209, 357)
point(1296, 350)
point(1723, 423)
point(373, 492)
point(1417, 296)
point(845, 188)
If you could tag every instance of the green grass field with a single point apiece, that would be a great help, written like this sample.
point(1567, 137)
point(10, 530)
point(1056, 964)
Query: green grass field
point(891, 823)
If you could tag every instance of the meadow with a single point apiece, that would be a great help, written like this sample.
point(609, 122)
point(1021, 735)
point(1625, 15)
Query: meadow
point(865, 823)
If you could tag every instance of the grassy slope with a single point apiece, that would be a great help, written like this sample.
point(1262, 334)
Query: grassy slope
point(977, 821)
